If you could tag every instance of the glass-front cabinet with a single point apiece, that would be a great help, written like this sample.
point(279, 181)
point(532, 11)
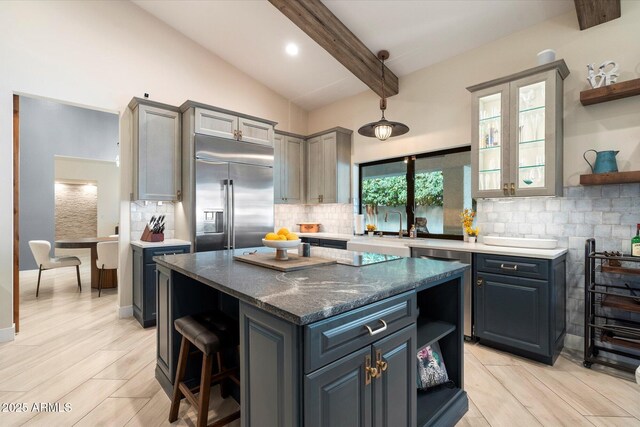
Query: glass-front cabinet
point(516, 146)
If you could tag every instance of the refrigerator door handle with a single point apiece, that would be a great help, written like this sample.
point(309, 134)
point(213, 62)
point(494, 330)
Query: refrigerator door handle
point(227, 230)
point(232, 225)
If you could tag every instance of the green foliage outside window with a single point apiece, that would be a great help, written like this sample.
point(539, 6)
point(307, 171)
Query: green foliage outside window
point(392, 190)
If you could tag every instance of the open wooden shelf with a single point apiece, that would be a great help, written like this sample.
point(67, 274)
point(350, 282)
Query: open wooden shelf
point(619, 341)
point(610, 178)
point(621, 302)
point(609, 93)
point(619, 270)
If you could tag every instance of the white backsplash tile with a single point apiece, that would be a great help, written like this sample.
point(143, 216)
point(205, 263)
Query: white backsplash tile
point(141, 213)
point(333, 217)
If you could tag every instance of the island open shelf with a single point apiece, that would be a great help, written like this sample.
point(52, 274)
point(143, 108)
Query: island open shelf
point(440, 317)
point(430, 331)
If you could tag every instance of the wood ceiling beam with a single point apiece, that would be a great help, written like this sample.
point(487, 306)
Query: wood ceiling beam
point(319, 23)
point(596, 12)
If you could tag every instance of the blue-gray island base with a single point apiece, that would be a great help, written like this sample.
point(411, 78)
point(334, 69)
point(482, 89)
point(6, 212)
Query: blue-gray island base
point(326, 346)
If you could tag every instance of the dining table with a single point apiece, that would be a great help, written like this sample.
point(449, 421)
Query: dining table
point(110, 276)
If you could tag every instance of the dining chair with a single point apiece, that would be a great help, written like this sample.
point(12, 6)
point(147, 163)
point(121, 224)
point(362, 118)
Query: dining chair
point(107, 260)
point(41, 249)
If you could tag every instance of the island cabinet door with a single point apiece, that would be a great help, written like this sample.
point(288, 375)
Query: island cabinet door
point(138, 278)
point(340, 393)
point(513, 311)
point(164, 327)
point(394, 389)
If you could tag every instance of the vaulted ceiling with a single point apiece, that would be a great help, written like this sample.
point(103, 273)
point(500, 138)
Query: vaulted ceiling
point(252, 35)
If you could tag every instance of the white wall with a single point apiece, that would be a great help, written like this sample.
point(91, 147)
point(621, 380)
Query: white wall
point(107, 178)
point(100, 54)
point(434, 103)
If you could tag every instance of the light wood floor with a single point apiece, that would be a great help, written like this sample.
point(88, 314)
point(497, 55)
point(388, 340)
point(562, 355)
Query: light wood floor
point(73, 349)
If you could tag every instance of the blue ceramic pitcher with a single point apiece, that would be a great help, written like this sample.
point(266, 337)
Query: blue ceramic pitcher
point(605, 161)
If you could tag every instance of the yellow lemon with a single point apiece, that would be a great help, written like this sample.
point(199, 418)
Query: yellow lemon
point(283, 231)
point(283, 237)
point(292, 236)
point(272, 236)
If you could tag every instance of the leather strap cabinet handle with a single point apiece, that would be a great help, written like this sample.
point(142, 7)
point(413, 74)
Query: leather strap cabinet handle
point(377, 331)
point(506, 267)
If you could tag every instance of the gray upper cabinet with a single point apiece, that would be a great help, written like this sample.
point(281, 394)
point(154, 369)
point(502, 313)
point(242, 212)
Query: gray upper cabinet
point(255, 131)
point(516, 138)
point(288, 171)
point(226, 124)
point(156, 151)
point(215, 123)
point(329, 167)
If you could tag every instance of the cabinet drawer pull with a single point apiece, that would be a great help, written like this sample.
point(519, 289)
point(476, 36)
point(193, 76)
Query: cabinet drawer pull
point(510, 268)
point(513, 189)
point(377, 331)
point(505, 189)
point(480, 281)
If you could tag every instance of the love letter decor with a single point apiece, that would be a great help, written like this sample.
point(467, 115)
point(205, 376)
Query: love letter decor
point(603, 77)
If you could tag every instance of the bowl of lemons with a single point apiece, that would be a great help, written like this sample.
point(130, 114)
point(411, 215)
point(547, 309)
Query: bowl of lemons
point(281, 242)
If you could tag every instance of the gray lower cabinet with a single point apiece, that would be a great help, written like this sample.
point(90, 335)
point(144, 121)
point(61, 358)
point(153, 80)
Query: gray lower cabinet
point(156, 151)
point(144, 280)
point(325, 243)
point(338, 394)
point(520, 305)
point(165, 348)
point(343, 394)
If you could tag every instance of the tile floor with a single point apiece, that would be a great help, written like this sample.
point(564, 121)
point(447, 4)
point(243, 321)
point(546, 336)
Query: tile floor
point(73, 349)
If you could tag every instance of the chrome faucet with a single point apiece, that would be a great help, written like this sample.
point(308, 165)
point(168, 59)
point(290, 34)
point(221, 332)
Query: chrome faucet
point(386, 217)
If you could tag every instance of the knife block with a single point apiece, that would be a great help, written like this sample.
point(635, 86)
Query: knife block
point(148, 236)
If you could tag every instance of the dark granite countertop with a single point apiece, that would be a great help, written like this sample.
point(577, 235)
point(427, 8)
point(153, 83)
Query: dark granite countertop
point(306, 296)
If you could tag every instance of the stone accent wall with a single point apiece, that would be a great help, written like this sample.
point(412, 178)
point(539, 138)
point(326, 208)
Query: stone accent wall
point(142, 212)
point(607, 212)
point(333, 217)
point(76, 212)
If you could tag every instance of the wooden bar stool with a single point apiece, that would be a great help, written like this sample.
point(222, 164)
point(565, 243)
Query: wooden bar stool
point(211, 333)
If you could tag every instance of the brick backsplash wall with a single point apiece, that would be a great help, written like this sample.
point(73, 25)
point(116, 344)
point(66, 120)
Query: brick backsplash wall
point(607, 212)
point(333, 217)
point(141, 213)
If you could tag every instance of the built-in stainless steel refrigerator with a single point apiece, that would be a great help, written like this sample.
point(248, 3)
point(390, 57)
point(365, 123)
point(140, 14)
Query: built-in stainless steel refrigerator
point(233, 193)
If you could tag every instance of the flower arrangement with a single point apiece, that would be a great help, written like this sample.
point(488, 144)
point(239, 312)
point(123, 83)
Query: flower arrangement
point(371, 227)
point(472, 231)
point(467, 217)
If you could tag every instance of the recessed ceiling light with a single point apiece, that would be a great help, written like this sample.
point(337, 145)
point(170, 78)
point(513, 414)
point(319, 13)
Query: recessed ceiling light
point(292, 49)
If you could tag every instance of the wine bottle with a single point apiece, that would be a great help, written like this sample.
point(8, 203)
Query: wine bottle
point(635, 243)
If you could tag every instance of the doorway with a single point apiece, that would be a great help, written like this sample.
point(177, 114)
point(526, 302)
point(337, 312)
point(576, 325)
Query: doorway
point(66, 181)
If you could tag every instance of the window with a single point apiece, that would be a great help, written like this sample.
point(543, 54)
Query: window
point(428, 190)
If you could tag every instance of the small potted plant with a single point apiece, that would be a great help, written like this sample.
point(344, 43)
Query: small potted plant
point(472, 232)
point(370, 229)
point(466, 217)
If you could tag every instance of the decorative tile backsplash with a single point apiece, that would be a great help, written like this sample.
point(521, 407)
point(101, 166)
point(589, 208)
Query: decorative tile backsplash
point(607, 212)
point(142, 212)
point(333, 217)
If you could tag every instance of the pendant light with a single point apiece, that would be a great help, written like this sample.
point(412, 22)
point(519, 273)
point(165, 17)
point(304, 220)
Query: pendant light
point(383, 128)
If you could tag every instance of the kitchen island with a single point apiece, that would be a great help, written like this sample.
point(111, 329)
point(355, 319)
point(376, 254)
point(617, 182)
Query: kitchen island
point(326, 346)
